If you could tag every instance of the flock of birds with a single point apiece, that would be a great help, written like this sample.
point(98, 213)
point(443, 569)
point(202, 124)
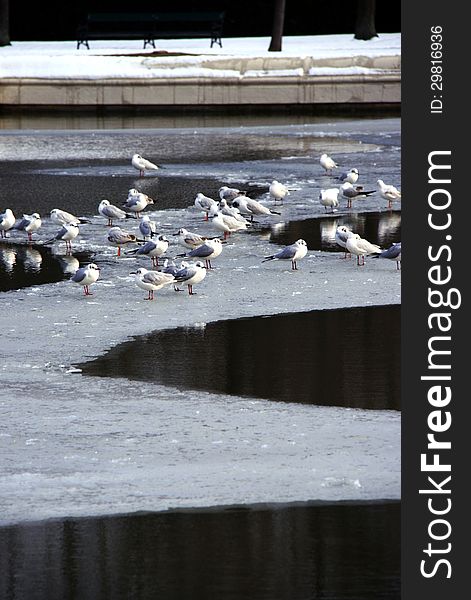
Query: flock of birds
point(233, 212)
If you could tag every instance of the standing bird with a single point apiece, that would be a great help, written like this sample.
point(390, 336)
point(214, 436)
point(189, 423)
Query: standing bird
point(118, 237)
point(278, 191)
point(341, 236)
point(147, 227)
point(294, 252)
point(7, 220)
point(252, 208)
point(388, 192)
point(151, 281)
point(85, 276)
point(350, 193)
point(350, 176)
point(327, 164)
point(329, 198)
point(66, 234)
point(361, 247)
point(136, 201)
point(189, 239)
point(142, 164)
point(229, 194)
point(191, 275)
point(111, 212)
point(205, 204)
point(227, 224)
point(231, 211)
point(209, 250)
point(392, 253)
point(30, 224)
point(62, 217)
point(153, 249)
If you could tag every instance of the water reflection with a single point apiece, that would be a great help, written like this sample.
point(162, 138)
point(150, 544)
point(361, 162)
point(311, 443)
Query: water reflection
point(333, 551)
point(24, 265)
point(378, 227)
point(348, 357)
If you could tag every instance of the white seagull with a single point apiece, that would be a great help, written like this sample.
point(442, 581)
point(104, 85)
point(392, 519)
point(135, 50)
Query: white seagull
point(85, 276)
point(350, 176)
point(227, 223)
point(392, 253)
point(205, 204)
point(191, 275)
point(142, 164)
point(147, 227)
point(30, 224)
point(7, 220)
point(350, 193)
point(153, 249)
point(341, 236)
point(189, 239)
point(111, 212)
point(212, 248)
point(151, 281)
point(293, 252)
point(327, 163)
point(66, 234)
point(118, 237)
point(388, 192)
point(136, 201)
point(278, 191)
point(329, 198)
point(252, 208)
point(62, 217)
point(361, 247)
point(229, 194)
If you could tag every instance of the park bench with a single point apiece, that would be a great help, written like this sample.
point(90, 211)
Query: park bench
point(151, 26)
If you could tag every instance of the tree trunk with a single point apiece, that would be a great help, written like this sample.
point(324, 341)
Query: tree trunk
point(365, 27)
point(277, 29)
point(4, 23)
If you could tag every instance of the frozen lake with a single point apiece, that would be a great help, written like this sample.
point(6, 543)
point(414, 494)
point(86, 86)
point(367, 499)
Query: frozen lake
point(74, 445)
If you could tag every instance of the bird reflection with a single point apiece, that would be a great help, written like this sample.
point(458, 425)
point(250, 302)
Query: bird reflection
point(8, 258)
point(69, 264)
point(32, 259)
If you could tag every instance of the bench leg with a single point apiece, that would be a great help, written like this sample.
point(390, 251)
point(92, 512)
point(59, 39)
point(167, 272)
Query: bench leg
point(151, 42)
point(216, 41)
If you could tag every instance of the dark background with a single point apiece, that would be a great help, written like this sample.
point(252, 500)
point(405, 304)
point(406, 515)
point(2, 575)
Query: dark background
point(57, 20)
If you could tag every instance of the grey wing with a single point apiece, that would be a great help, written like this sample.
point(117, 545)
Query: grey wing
point(78, 276)
point(392, 252)
point(202, 251)
point(287, 252)
point(184, 274)
point(146, 248)
point(21, 224)
point(61, 233)
point(113, 211)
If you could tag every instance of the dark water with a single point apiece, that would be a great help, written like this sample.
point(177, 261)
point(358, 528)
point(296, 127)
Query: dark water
point(303, 552)
point(329, 357)
point(24, 265)
point(378, 227)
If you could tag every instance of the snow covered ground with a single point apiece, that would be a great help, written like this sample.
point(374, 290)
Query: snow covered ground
point(249, 57)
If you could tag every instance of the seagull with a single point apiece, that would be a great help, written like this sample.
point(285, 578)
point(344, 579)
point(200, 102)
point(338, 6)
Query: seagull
point(111, 212)
point(229, 194)
point(231, 211)
point(205, 203)
point(350, 192)
point(393, 253)
point(329, 197)
point(341, 236)
point(62, 217)
point(250, 207)
point(294, 252)
point(85, 276)
point(7, 220)
point(189, 239)
point(136, 201)
point(66, 234)
point(210, 249)
point(388, 192)
point(147, 227)
point(151, 281)
point(118, 237)
point(278, 191)
point(29, 223)
point(227, 224)
point(152, 249)
point(142, 164)
point(361, 247)
point(190, 275)
point(327, 163)
point(350, 176)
